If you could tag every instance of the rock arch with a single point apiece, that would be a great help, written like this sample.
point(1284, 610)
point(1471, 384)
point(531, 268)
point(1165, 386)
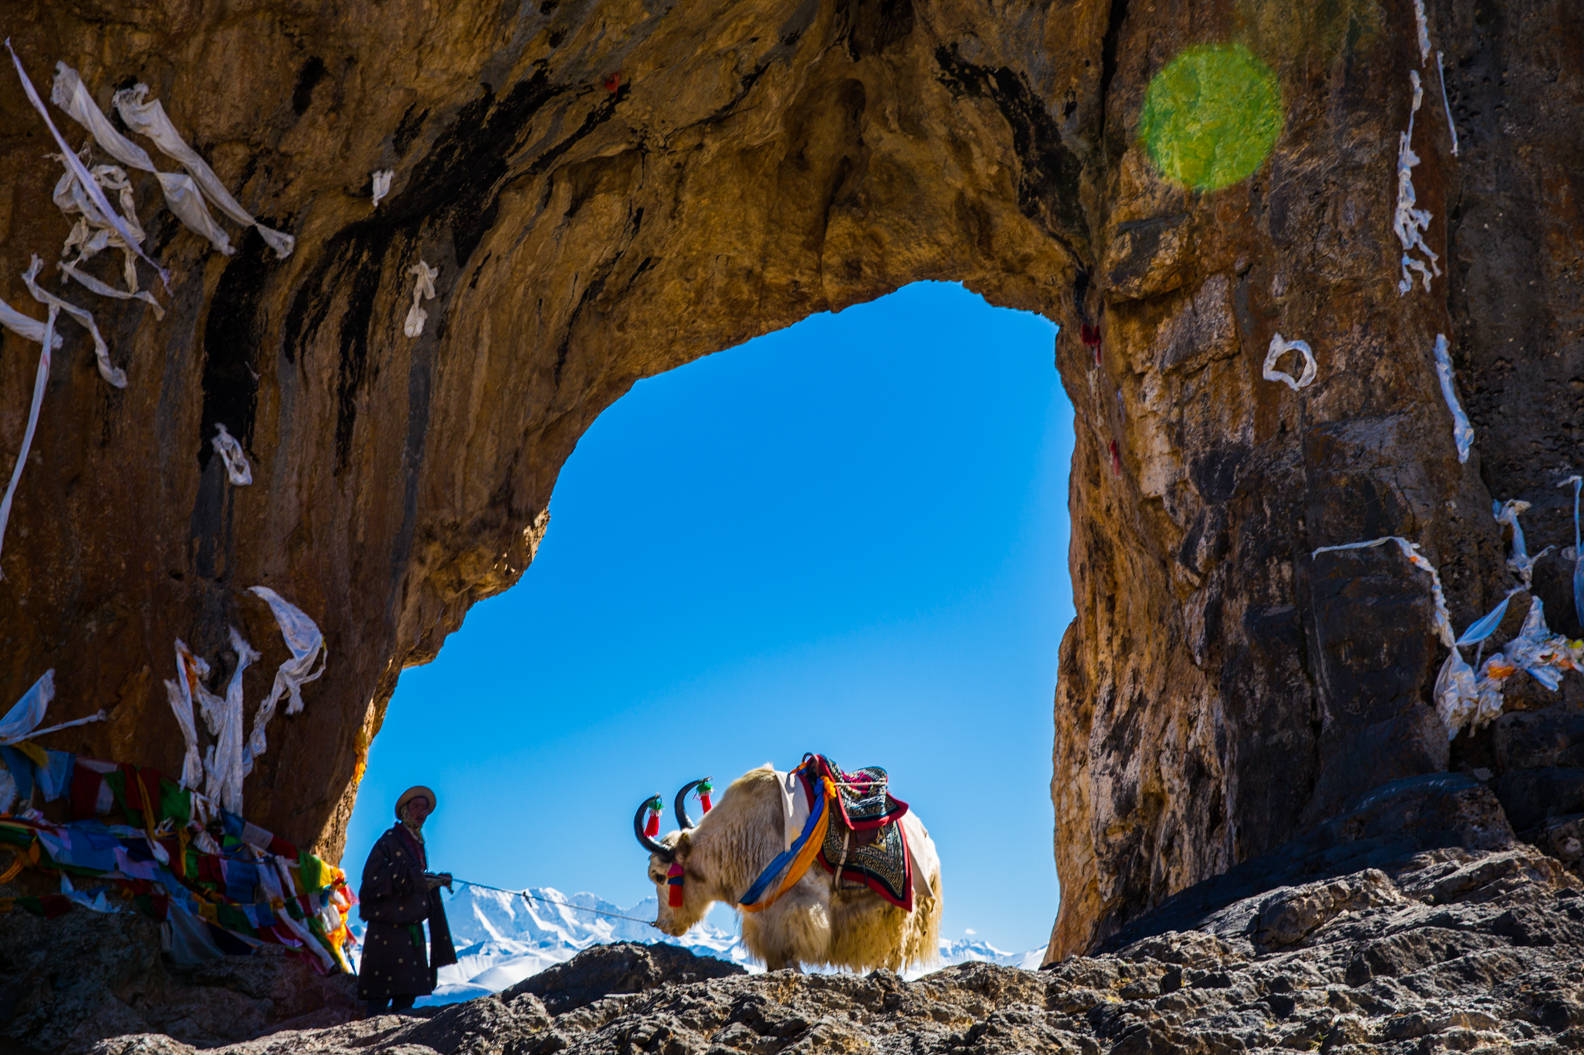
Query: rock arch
point(610, 190)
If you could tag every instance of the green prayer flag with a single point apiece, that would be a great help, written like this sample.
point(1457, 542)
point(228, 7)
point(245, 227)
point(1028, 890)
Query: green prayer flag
point(232, 918)
point(15, 835)
point(175, 802)
point(315, 873)
point(115, 780)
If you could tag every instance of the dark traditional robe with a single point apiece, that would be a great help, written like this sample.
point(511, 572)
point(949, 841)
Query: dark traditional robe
point(394, 901)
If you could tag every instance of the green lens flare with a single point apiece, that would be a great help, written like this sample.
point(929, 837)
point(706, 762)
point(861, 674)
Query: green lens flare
point(1211, 116)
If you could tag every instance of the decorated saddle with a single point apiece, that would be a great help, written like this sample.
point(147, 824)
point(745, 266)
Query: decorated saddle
point(863, 843)
point(846, 821)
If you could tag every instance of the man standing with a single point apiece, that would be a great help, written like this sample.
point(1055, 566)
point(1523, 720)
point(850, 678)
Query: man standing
point(397, 895)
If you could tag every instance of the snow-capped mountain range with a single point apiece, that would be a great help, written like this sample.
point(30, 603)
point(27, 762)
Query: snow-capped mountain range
point(502, 938)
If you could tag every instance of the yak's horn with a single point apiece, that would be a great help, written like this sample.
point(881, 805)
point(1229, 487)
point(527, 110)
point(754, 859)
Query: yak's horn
point(653, 845)
point(680, 804)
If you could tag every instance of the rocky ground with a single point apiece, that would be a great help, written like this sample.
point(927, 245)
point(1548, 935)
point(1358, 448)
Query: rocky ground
point(1379, 946)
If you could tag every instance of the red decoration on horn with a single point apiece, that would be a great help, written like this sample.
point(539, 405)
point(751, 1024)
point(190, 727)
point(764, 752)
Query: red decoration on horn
point(704, 789)
point(652, 826)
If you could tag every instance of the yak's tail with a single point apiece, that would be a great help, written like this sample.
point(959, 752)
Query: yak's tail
point(923, 945)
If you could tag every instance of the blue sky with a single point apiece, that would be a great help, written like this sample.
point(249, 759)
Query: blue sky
point(847, 537)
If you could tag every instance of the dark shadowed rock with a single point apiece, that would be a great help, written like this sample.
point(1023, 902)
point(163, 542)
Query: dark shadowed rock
point(486, 1026)
point(67, 982)
point(607, 970)
point(1385, 828)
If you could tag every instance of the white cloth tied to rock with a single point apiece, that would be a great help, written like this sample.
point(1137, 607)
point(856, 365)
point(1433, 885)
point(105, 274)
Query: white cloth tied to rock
point(423, 289)
point(1446, 107)
point(84, 177)
point(182, 194)
point(26, 327)
point(92, 234)
point(224, 759)
point(1409, 223)
point(1456, 693)
point(382, 180)
point(25, 715)
point(1279, 346)
point(309, 655)
point(223, 765)
point(1577, 483)
point(236, 464)
point(1486, 625)
point(148, 118)
point(1443, 621)
point(109, 372)
point(47, 340)
point(93, 285)
point(180, 694)
point(1520, 562)
point(1462, 431)
point(1541, 651)
point(22, 720)
point(1464, 697)
point(70, 94)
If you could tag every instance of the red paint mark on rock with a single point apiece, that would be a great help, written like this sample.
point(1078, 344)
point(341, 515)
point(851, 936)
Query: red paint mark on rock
point(613, 82)
point(1090, 335)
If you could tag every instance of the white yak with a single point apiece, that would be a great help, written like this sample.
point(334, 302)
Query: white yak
point(813, 922)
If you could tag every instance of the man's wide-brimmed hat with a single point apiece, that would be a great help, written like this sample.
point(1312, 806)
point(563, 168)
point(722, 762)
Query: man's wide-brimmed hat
point(417, 791)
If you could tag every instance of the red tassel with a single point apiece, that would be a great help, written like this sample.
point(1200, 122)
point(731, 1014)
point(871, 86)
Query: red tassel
point(674, 886)
point(704, 798)
point(704, 789)
point(652, 826)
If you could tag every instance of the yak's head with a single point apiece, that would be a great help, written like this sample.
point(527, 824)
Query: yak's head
point(682, 891)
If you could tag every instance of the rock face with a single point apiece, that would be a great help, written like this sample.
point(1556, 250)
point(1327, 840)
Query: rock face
point(612, 189)
point(1221, 685)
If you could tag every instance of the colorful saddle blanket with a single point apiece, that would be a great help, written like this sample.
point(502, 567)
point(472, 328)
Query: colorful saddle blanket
point(863, 842)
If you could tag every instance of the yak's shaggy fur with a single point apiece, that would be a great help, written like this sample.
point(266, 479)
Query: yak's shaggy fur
point(812, 923)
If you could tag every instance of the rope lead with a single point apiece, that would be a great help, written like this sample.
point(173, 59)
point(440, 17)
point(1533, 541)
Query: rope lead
point(552, 901)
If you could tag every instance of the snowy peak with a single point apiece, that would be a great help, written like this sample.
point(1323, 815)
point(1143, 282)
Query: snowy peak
point(541, 917)
point(969, 949)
